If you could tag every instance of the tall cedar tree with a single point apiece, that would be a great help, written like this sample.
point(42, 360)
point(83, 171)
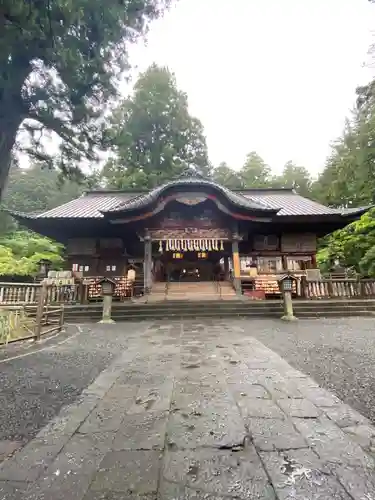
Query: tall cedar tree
point(59, 64)
point(155, 136)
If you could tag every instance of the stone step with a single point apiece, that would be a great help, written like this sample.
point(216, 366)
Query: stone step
point(237, 308)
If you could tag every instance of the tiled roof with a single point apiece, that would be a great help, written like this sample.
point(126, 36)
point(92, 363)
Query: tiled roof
point(236, 198)
point(289, 202)
point(88, 206)
point(285, 202)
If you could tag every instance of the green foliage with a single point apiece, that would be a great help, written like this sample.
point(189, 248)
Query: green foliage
point(60, 63)
point(155, 136)
point(353, 246)
point(294, 176)
point(35, 189)
point(21, 251)
point(255, 173)
point(226, 176)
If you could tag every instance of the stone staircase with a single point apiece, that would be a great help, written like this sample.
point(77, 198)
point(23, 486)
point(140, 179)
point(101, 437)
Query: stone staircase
point(226, 290)
point(236, 308)
point(203, 290)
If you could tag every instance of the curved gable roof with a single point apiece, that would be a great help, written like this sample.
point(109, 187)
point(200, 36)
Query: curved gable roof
point(143, 200)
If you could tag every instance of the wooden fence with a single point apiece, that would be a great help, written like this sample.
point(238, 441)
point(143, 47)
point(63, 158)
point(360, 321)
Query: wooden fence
point(28, 294)
point(337, 288)
point(29, 322)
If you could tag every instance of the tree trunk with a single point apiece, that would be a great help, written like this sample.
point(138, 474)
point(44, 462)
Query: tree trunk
point(12, 113)
point(8, 133)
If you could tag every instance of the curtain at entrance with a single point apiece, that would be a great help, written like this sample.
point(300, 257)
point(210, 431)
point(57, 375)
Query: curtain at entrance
point(190, 245)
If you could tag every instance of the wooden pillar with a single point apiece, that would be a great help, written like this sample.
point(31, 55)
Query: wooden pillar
point(147, 263)
point(313, 261)
point(236, 264)
point(285, 262)
point(226, 267)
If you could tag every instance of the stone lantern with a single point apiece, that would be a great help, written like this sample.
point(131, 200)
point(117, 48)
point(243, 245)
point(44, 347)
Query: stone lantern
point(108, 288)
point(286, 284)
point(44, 265)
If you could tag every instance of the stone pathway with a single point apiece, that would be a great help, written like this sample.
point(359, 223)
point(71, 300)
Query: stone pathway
point(196, 411)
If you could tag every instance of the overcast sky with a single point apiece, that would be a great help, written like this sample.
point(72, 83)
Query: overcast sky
point(274, 76)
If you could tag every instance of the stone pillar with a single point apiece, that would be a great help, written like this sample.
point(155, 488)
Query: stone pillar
point(236, 264)
point(147, 264)
point(107, 310)
point(288, 307)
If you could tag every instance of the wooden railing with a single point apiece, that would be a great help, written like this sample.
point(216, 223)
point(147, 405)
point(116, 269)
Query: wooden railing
point(337, 288)
point(29, 322)
point(28, 293)
point(19, 293)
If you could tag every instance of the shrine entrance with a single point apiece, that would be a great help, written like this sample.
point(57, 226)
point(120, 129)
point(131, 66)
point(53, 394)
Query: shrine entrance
point(190, 267)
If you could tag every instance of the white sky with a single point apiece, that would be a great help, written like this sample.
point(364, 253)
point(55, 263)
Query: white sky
point(274, 76)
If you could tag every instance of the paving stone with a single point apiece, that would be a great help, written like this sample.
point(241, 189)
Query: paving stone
point(144, 431)
point(172, 491)
point(274, 434)
point(320, 397)
point(30, 462)
point(129, 472)
point(72, 487)
point(117, 495)
point(301, 408)
point(364, 435)
point(122, 393)
point(345, 416)
point(105, 417)
point(298, 475)
point(241, 390)
point(8, 447)
point(215, 426)
point(331, 443)
point(262, 408)
point(195, 394)
point(153, 397)
point(81, 455)
point(235, 474)
point(10, 490)
point(285, 389)
point(359, 482)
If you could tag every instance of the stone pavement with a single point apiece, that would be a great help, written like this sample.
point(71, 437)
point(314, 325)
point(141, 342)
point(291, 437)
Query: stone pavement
point(196, 411)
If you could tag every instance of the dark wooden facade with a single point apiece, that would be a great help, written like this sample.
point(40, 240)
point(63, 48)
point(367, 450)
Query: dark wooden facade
point(191, 220)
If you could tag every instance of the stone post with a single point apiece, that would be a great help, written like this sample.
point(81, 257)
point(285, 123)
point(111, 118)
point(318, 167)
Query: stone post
point(107, 310)
point(108, 287)
point(288, 307)
point(236, 264)
point(286, 283)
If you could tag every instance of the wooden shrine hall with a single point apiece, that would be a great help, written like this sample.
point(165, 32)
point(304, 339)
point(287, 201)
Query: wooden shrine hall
point(189, 230)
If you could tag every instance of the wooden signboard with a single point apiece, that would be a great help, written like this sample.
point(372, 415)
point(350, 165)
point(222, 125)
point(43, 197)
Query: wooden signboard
point(298, 243)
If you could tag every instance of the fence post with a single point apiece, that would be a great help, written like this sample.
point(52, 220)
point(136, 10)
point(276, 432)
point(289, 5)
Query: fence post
point(40, 311)
point(330, 288)
point(62, 318)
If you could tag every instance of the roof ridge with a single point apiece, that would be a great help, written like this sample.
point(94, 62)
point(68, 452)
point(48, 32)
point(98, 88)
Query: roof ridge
point(152, 195)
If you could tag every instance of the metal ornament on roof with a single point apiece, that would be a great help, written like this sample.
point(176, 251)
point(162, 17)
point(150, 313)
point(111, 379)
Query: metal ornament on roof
point(191, 245)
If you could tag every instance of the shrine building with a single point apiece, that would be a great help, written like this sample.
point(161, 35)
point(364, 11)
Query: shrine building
point(191, 229)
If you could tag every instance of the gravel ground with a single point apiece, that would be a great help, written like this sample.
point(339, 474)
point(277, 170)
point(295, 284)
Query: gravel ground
point(338, 353)
point(34, 388)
